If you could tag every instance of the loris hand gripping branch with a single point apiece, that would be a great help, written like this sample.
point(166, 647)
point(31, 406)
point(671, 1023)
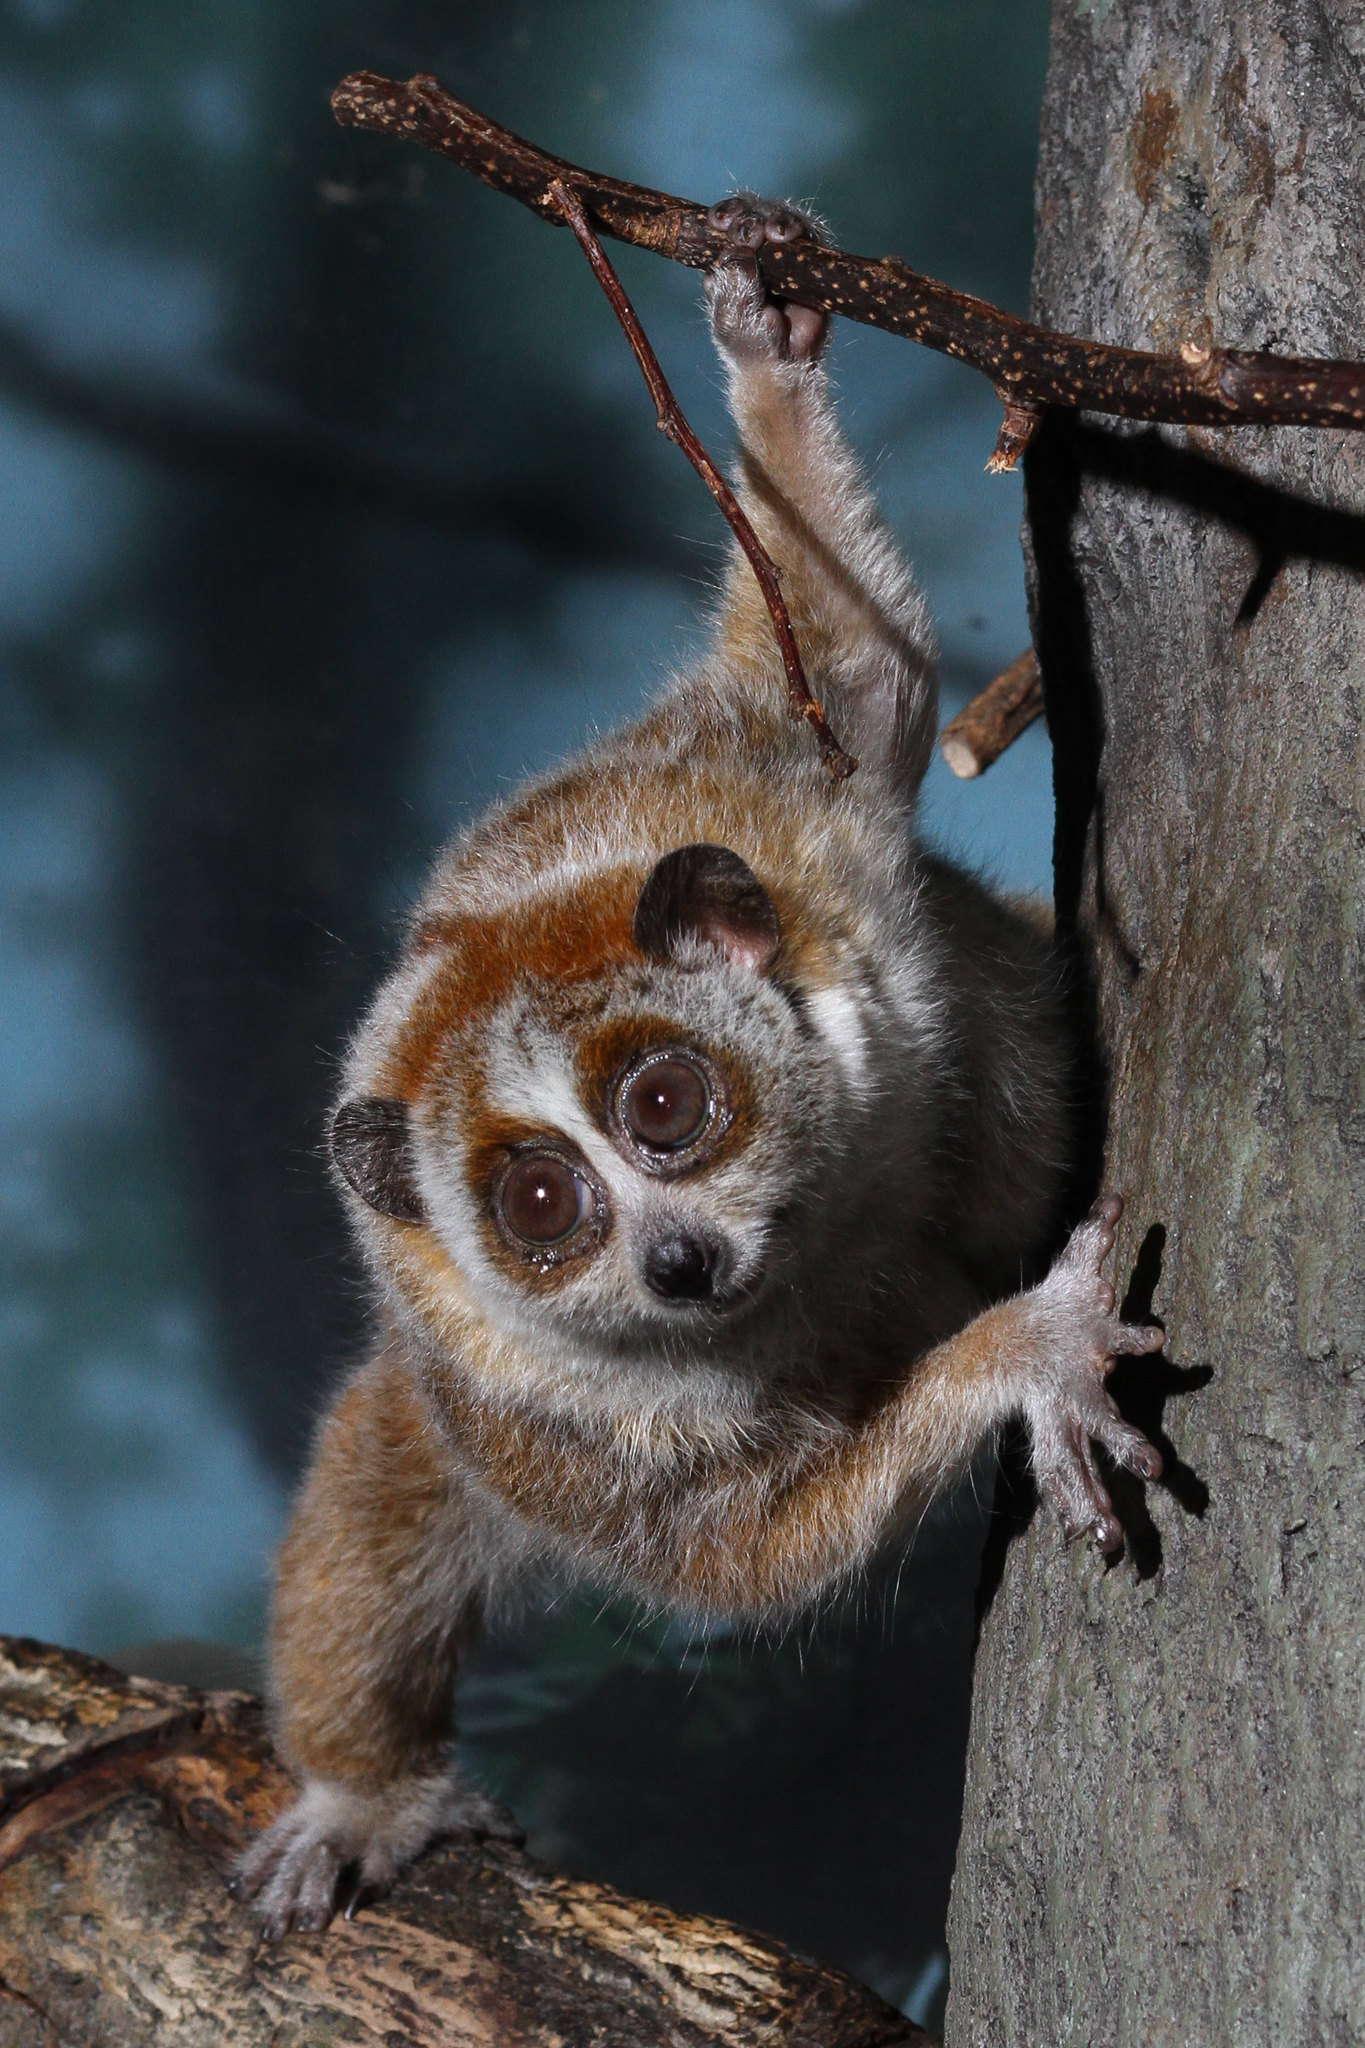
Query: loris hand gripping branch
point(695, 1144)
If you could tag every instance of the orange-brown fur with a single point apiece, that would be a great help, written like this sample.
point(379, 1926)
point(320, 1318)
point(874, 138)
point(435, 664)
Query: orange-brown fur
point(745, 1362)
point(377, 1444)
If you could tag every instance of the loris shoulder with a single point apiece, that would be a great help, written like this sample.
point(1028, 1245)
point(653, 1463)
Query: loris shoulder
point(695, 1144)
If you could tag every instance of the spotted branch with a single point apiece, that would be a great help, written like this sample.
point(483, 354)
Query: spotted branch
point(1031, 367)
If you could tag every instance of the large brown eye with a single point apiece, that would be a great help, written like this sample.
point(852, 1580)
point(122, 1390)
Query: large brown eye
point(542, 1199)
point(666, 1104)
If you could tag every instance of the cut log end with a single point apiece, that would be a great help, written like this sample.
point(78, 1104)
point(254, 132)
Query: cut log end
point(959, 756)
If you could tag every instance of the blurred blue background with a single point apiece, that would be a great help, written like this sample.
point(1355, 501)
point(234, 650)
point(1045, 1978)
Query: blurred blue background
point(331, 502)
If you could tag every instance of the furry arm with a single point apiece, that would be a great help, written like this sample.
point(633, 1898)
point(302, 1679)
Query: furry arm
point(378, 1592)
point(761, 1530)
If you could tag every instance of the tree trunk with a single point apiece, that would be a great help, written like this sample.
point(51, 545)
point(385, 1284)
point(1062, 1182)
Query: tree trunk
point(121, 1804)
point(1163, 1831)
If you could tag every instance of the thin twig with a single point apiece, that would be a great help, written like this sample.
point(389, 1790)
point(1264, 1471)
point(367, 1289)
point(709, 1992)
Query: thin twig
point(801, 703)
point(1029, 366)
point(994, 718)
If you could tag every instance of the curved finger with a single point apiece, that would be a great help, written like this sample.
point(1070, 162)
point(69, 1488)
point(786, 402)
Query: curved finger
point(316, 1884)
point(258, 1863)
point(1091, 1242)
point(1128, 1447)
point(1070, 1479)
point(726, 211)
point(1102, 1523)
point(1133, 1340)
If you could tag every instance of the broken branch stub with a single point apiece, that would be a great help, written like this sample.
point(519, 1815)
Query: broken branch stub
point(983, 728)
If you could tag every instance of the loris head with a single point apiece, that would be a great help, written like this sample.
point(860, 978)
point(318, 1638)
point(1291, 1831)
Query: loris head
point(606, 1108)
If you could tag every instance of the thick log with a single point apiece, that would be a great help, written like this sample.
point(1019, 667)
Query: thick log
point(121, 1805)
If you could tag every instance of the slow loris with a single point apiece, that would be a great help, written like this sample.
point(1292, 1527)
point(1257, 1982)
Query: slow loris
point(695, 1144)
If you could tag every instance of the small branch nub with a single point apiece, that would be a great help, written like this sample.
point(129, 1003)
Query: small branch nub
point(984, 728)
point(1017, 429)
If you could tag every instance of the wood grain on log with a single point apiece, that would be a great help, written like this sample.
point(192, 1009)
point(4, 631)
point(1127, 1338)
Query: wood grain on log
point(121, 1805)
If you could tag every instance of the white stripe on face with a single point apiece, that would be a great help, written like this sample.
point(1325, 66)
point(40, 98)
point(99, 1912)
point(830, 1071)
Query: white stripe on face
point(531, 1079)
point(837, 1015)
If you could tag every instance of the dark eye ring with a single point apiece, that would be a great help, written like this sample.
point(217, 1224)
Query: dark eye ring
point(542, 1201)
point(666, 1104)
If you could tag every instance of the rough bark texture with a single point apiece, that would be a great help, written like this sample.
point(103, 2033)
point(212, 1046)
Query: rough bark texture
point(121, 1804)
point(1163, 1837)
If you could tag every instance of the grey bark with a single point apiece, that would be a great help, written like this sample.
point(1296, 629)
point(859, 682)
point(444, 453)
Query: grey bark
point(1164, 1835)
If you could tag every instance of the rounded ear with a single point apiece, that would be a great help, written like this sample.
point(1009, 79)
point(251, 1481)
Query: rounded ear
point(706, 893)
point(372, 1149)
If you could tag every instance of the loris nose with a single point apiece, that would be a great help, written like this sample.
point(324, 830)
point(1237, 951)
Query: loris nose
point(679, 1269)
